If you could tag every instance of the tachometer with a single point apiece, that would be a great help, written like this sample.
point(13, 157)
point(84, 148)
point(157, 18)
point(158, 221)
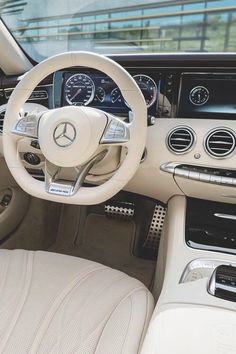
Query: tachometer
point(148, 88)
point(79, 90)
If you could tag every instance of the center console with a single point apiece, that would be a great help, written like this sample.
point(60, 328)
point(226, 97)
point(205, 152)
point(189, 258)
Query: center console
point(195, 282)
point(211, 226)
point(223, 282)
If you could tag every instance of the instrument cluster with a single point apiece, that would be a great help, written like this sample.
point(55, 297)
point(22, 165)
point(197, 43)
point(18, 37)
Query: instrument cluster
point(97, 90)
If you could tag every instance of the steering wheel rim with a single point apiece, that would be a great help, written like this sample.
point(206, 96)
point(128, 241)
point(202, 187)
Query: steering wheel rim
point(137, 128)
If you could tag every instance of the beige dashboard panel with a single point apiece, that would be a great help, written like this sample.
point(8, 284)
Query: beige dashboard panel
point(186, 329)
point(149, 180)
point(158, 153)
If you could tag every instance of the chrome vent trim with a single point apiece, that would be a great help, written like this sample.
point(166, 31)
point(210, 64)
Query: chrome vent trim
point(220, 142)
point(37, 94)
point(180, 139)
point(2, 115)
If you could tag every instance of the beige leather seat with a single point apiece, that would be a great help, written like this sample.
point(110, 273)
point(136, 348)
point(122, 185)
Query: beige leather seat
point(51, 303)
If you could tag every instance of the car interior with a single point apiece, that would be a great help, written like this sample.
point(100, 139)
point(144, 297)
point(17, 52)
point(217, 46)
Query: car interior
point(117, 183)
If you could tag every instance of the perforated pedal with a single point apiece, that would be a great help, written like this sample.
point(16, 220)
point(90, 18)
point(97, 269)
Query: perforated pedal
point(120, 210)
point(155, 229)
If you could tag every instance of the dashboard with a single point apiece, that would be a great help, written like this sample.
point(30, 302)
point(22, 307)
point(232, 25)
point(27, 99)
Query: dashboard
point(172, 88)
point(191, 144)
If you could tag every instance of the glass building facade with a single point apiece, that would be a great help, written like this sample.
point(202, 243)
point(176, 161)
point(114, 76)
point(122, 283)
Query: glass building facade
point(45, 27)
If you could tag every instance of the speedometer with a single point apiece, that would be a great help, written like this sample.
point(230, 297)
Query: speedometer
point(79, 90)
point(148, 88)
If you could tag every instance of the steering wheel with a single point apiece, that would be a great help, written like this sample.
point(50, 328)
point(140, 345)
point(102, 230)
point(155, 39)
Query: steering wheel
point(75, 137)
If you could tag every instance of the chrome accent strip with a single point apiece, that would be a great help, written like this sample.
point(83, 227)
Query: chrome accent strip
point(169, 167)
point(225, 216)
point(212, 283)
point(172, 167)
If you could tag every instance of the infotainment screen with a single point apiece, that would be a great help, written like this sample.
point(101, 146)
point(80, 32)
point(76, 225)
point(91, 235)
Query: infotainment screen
point(207, 96)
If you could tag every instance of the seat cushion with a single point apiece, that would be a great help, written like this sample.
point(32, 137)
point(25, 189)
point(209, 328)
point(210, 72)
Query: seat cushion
point(52, 303)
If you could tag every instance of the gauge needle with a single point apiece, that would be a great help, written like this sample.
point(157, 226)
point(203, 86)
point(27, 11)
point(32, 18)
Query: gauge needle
point(116, 98)
point(77, 92)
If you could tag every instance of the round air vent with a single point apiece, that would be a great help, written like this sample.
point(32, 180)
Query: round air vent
point(2, 115)
point(180, 139)
point(220, 142)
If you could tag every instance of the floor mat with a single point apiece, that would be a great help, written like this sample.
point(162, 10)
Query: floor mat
point(38, 229)
point(104, 240)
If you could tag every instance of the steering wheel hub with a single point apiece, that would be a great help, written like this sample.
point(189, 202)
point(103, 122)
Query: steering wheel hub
point(69, 136)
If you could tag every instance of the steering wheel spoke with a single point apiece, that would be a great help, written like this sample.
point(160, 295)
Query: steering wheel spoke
point(27, 126)
point(116, 132)
point(54, 184)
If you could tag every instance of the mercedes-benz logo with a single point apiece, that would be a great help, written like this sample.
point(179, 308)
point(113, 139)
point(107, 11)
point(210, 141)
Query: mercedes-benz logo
point(64, 134)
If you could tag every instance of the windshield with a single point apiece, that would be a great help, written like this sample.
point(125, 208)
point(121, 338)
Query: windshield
point(47, 27)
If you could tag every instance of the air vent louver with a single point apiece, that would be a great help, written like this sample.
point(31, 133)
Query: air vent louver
point(2, 115)
point(180, 140)
point(35, 95)
point(220, 142)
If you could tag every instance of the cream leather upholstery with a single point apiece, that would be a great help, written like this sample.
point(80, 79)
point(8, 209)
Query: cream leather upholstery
point(57, 304)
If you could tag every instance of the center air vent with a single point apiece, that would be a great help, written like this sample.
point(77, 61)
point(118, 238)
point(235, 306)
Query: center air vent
point(220, 142)
point(2, 115)
point(180, 139)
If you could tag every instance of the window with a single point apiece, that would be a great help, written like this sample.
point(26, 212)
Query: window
point(44, 27)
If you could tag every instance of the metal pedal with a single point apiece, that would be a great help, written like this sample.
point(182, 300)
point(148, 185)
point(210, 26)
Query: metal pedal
point(119, 210)
point(155, 229)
